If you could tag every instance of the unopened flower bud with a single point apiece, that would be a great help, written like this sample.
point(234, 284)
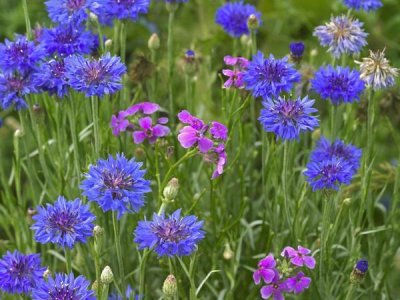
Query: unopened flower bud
point(252, 22)
point(107, 275)
point(296, 51)
point(171, 6)
point(316, 134)
point(170, 287)
point(171, 190)
point(18, 133)
point(154, 42)
point(347, 201)
point(139, 153)
point(46, 274)
point(108, 44)
point(95, 285)
point(359, 271)
point(228, 253)
point(314, 52)
point(93, 17)
point(98, 231)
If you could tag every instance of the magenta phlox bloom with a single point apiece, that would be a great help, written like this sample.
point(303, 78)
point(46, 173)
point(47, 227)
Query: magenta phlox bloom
point(298, 283)
point(149, 131)
point(266, 270)
point(299, 257)
point(235, 76)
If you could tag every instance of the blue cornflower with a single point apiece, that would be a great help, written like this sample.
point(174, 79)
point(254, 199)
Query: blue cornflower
point(170, 236)
point(68, 39)
point(121, 9)
point(13, 88)
point(95, 77)
point(129, 294)
point(19, 273)
point(366, 5)
point(116, 184)
point(20, 55)
point(63, 286)
point(66, 11)
point(338, 84)
point(50, 77)
point(269, 77)
point(233, 17)
point(326, 150)
point(287, 118)
point(362, 266)
point(329, 173)
point(63, 223)
point(342, 35)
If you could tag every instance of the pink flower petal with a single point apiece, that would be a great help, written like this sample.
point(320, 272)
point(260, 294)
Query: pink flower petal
point(266, 291)
point(138, 137)
point(309, 262)
point(187, 137)
point(160, 130)
point(297, 261)
point(205, 144)
point(289, 252)
point(303, 250)
point(145, 123)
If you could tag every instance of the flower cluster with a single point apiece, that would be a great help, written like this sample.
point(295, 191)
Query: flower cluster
point(340, 84)
point(172, 236)
point(236, 75)
point(63, 223)
point(138, 120)
point(20, 273)
point(287, 118)
point(284, 276)
point(116, 184)
point(342, 35)
point(332, 164)
point(207, 138)
point(233, 16)
point(67, 11)
point(366, 5)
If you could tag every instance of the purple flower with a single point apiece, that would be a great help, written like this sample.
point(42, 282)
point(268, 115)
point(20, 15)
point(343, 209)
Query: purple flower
point(66, 11)
point(148, 131)
point(121, 9)
point(298, 283)
point(219, 158)
point(362, 266)
point(266, 270)
point(219, 131)
point(95, 77)
point(342, 35)
point(236, 75)
point(367, 5)
point(288, 118)
point(63, 223)
point(19, 273)
point(299, 257)
point(119, 123)
point(274, 289)
point(297, 49)
point(172, 236)
point(269, 77)
point(13, 88)
point(50, 77)
point(232, 17)
point(146, 108)
point(20, 55)
point(195, 134)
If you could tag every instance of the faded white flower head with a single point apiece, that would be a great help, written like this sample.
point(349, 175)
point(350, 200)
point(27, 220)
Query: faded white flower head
point(376, 70)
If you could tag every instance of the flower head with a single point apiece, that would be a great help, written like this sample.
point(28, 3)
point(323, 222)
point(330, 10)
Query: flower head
point(359, 271)
point(288, 118)
point(63, 223)
point(362, 266)
point(172, 236)
point(376, 70)
point(119, 123)
point(338, 84)
point(95, 77)
point(299, 257)
point(19, 273)
point(275, 289)
point(149, 131)
point(298, 283)
point(122, 10)
point(236, 75)
point(269, 77)
point(218, 157)
point(297, 49)
point(266, 270)
point(146, 108)
point(63, 286)
point(20, 55)
point(66, 11)
point(342, 35)
point(366, 5)
point(13, 88)
point(68, 39)
point(116, 184)
point(232, 17)
point(50, 77)
point(328, 174)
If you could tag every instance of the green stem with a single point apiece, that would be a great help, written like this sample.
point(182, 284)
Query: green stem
point(324, 237)
point(172, 168)
point(142, 271)
point(97, 267)
point(350, 292)
point(119, 253)
point(284, 183)
point(104, 292)
point(68, 261)
point(192, 293)
point(95, 119)
point(27, 20)
point(72, 121)
point(170, 61)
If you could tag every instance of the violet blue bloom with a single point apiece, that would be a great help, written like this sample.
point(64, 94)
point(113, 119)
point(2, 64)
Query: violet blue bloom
point(236, 75)
point(218, 131)
point(299, 257)
point(146, 108)
point(298, 283)
point(148, 131)
point(119, 122)
point(274, 289)
point(218, 157)
point(266, 270)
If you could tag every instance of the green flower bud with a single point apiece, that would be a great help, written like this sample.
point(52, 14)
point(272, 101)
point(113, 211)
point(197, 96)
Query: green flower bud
point(171, 190)
point(170, 288)
point(154, 42)
point(107, 275)
point(252, 22)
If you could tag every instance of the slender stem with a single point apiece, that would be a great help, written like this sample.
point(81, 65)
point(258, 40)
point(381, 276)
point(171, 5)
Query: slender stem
point(333, 121)
point(170, 61)
point(284, 183)
point(350, 292)
point(27, 20)
point(104, 292)
point(172, 168)
point(156, 160)
point(142, 271)
point(97, 266)
point(324, 236)
point(119, 254)
point(100, 32)
point(72, 122)
point(95, 119)
point(192, 293)
point(154, 79)
point(68, 262)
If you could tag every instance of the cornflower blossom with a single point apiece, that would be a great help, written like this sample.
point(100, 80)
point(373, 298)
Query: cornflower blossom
point(296, 51)
point(376, 70)
point(269, 77)
point(19, 273)
point(63, 223)
point(287, 118)
point(19, 55)
point(207, 138)
point(299, 257)
point(67, 11)
point(95, 77)
point(63, 286)
point(13, 89)
point(116, 184)
point(109, 10)
point(342, 35)
point(359, 271)
point(50, 77)
point(68, 39)
point(367, 5)
point(326, 150)
point(236, 75)
point(170, 236)
point(233, 16)
point(340, 84)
